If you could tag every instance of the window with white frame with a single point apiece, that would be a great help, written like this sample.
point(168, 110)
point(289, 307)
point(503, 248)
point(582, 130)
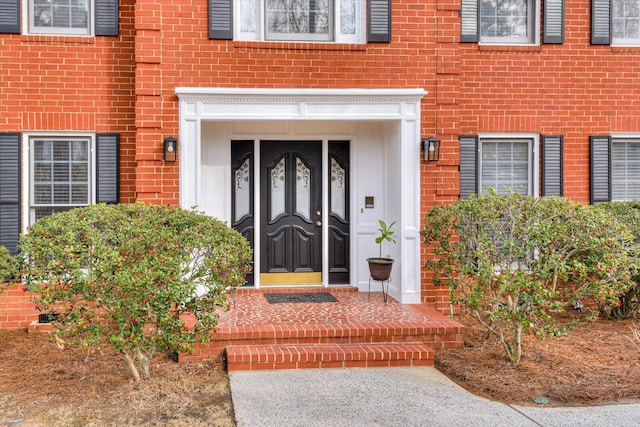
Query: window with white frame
point(507, 21)
point(507, 165)
point(301, 20)
point(510, 21)
point(60, 174)
point(625, 169)
point(625, 22)
point(66, 17)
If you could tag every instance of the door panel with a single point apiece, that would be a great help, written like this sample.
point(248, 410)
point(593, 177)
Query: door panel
point(339, 212)
point(242, 210)
point(291, 197)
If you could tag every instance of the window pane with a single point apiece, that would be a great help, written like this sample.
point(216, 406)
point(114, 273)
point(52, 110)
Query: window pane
point(42, 150)
point(42, 172)
point(303, 189)
point(503, 18)
point(79, 151)
point(60, 14)
point(338, 189)
point(42, 194)
point(277, 189)
point(505, 166)
point(248, 16)
point(80, 172)
point(60, 173)
point(79, 194)
point(298, 19)
point(348, 17)
point(61, 194)
point(625, 170)
point(243, 190)
point(42, 212)
point(61, 151)
point(625, 19)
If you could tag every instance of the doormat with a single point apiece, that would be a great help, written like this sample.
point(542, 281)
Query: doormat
point(300, 297)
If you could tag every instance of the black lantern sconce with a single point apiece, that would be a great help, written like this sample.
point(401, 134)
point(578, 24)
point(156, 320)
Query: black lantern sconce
point(170, 149)
point(431, 147)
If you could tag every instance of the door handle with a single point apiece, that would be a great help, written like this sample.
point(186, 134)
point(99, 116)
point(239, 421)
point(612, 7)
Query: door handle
point(319, 223)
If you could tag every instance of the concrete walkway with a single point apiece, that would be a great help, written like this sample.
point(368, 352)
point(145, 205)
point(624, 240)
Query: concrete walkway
point(392, 397)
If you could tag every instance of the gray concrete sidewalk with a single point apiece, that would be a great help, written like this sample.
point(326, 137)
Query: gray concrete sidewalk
point(391, 397)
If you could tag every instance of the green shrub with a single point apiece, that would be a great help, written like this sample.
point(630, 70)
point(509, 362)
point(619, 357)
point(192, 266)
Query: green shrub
point(505, 257)
point(8, 268)
point(126, 276)
point(628, 213)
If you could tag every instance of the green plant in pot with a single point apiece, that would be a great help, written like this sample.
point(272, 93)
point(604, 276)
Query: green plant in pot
point(380, 268)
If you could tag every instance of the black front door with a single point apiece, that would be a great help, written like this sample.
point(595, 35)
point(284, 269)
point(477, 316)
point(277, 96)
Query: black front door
point(291, 212)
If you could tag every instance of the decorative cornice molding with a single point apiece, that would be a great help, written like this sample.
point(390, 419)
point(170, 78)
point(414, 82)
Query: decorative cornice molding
point(299, 96)
point(328, 100)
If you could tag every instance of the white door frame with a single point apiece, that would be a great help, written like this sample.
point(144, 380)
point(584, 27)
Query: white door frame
point(394, 112)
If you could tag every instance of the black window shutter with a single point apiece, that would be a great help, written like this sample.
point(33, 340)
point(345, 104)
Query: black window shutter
point(379, 28)
point(107, 168)
point(468, 165)
point(552, 155)
point(221, 19)
point(106, 15)
point(10, 16)
point(469, 21)
point(600, 164)
point(10, 191)
point(600, 21)
point(553, 21)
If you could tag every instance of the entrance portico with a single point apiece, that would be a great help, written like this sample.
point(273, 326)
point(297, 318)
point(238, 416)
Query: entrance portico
point(382, 128)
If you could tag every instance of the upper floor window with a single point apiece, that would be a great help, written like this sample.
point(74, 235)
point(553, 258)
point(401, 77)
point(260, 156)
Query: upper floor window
point(506, 21)
point(512, 21)
point(59, 17)
point(300, 20)
point(71, 17)
point(625, 22)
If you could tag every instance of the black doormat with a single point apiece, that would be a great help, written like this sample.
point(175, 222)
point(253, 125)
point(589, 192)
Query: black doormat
point(300, 297)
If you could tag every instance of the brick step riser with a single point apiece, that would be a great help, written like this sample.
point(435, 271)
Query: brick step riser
point(328, 356)
point(217, 347)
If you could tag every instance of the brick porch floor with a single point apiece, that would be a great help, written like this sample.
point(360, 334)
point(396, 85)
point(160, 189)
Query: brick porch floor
point(357, 331)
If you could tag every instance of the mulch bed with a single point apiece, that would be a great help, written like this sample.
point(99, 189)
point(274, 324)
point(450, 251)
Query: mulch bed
point(595, 363)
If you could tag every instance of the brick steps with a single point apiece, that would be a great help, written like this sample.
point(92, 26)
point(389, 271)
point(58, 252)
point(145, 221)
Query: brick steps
point(304, 356)
point(359, 330)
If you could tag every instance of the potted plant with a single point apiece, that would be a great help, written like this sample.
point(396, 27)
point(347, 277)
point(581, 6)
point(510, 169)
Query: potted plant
point(380, 268)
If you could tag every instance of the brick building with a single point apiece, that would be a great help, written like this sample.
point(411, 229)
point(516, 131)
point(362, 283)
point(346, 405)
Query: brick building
point(301, 130)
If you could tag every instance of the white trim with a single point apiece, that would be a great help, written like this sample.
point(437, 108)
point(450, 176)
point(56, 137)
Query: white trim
point(392, 118)
point(628, 135)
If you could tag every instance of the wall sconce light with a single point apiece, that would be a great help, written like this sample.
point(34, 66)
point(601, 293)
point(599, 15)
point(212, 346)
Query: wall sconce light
point(431, 147)
point(170, 149)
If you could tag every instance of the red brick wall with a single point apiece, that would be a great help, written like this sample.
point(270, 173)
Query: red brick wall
point(173, 49)
point(55, 83)
point(574, 89)
point(16, 308)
